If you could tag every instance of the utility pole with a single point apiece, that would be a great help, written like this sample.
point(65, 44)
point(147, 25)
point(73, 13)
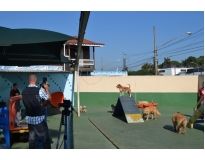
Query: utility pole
point(101, 64)
point(94, 56)
point(155, 52)
point(124, 61)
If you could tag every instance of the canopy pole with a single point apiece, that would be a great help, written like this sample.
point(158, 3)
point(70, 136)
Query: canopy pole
point(78, 88)
point(84, 16)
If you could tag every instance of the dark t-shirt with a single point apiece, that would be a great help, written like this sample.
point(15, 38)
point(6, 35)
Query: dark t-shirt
point(14, 93)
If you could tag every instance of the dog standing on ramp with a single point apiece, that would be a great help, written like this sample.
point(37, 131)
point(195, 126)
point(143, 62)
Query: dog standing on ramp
point(179, 121)
point(123, 89)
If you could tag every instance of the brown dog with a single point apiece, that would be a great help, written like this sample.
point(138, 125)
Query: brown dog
point(123, 89)
point(179, 122)
point(150, 110)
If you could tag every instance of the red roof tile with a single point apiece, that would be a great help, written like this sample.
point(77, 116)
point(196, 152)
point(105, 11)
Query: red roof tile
point(85, 42)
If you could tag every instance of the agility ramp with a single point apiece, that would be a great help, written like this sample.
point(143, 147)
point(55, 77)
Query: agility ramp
point(197, 113)
point(126, 106)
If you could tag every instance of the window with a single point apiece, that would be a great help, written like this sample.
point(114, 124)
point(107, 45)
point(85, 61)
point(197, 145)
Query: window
point(160, 71)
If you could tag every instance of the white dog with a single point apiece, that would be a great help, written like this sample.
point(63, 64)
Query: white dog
point(83, 109)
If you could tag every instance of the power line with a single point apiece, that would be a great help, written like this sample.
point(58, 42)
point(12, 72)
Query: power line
point(183, 50)
point(184, 47)
point(194, 35)
point(171, 53)
point(141, 63)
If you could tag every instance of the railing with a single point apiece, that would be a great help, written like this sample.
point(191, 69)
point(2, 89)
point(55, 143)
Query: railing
point(86, 62)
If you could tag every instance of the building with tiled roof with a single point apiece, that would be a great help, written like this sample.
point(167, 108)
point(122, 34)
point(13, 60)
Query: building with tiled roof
point(87, 58)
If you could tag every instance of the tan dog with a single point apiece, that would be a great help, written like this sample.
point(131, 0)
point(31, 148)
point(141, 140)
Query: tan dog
point(113, 107)
point(179, 122)
point(150, 110)
point(83, 109)
point(123, 89)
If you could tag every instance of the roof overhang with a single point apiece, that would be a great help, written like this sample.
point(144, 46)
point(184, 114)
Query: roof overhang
point(9, 36)
point(25, 47)
point(90, 45)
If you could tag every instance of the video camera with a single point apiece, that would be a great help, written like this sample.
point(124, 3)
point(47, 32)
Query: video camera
point(44, 82)
point(67, 104)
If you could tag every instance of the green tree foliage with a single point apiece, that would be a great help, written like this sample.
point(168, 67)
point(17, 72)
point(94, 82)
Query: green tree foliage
point(193, 62)
point(175, 63)
point(139, 72)
point(168, 63)
point(146, 69)
point(187, 62)
point(200, 61)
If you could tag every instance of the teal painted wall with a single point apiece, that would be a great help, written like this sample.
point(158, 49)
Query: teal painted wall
point(99, 99)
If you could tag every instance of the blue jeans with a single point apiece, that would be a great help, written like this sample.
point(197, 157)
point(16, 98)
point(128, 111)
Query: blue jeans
point(42, 131)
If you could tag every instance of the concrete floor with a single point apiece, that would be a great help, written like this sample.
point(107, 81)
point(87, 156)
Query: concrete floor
point(98, 129)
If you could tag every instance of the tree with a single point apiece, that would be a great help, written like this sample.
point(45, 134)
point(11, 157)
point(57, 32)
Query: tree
point(148, 67)
point(200, 61)
point(139, 72)
point(175, 63)
point(167, 63)
point(187, 62)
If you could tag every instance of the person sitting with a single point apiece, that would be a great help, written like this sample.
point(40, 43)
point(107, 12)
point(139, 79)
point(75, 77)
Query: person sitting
point(15, 92)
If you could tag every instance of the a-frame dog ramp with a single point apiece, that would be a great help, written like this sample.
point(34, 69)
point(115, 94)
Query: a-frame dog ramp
point(126, 106)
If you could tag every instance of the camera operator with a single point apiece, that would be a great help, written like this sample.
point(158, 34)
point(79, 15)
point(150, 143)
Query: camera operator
point(33, 97)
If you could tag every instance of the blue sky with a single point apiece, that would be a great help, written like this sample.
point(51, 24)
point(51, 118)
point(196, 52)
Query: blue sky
point(130, 32)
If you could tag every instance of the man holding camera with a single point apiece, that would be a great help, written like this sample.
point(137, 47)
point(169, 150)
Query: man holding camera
point(33, 97)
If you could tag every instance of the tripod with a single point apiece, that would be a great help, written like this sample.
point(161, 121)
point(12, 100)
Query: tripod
point(66, 121)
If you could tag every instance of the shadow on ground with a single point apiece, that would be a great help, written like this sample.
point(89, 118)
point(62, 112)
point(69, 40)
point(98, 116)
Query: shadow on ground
point(121, 118)
point(169, 128)
point(199, 125)
point(53, 111)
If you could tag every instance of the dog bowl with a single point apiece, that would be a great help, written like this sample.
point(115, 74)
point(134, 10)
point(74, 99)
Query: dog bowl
point(140, 105)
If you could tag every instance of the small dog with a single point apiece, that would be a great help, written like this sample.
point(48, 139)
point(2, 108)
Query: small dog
point(179, 121)
point(150, 110)
point(123, 89)
point(83, 109)
point(113, 107)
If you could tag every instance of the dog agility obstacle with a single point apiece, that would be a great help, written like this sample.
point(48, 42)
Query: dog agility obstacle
point(197, 113)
